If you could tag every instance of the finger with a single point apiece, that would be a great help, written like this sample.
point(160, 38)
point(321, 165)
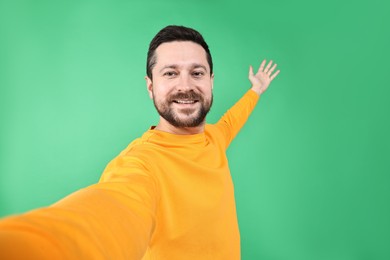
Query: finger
point(250, 71)
point(261, 68)
point(272, 69)
point(268, 66)
point(274, 75)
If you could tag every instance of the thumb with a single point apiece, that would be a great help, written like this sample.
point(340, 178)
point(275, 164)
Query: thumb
point(250, 71)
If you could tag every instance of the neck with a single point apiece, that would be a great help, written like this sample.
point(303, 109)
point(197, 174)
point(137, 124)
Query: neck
point(164, 126)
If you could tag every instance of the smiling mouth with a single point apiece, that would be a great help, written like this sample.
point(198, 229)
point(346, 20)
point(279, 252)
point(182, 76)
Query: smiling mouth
point(185, 101)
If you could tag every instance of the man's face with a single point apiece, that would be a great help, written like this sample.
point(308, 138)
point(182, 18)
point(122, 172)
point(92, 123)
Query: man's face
point(181, 88)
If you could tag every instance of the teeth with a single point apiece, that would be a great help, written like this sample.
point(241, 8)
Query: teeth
point(185, 101)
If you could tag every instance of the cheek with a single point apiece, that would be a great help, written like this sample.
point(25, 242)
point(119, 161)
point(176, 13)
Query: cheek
point(208, 89)
point(160, 93)
point(157, 89)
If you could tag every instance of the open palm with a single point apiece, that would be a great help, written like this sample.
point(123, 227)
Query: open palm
point(263, 77)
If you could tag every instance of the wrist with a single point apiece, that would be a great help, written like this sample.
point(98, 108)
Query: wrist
point(257, 90)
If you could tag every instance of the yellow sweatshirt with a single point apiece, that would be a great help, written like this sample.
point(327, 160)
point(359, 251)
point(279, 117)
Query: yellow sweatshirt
point(165, 196)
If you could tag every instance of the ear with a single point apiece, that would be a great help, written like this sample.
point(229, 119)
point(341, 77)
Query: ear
point(149, 86)
point(212, 81)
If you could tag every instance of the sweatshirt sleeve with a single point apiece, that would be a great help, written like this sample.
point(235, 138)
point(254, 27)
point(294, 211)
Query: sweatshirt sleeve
point(113, 219)
point(234, 119)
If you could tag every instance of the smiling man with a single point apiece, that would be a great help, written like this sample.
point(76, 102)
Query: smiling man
point(169, 194)
point(180, 85)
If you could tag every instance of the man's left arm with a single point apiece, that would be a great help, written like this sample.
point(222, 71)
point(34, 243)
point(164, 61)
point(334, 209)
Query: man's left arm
point(233, 120)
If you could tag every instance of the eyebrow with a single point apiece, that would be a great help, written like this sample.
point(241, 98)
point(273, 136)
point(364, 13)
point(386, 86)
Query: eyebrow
point(174, 66)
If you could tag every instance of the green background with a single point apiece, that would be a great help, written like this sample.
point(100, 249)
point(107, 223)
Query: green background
point(311, 167)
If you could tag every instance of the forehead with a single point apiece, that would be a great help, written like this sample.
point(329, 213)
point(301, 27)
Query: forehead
point(181, 54)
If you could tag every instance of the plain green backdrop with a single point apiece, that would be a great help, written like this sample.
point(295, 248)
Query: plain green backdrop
point(311, 167)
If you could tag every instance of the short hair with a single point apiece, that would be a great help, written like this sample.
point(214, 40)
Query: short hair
point(175, 33)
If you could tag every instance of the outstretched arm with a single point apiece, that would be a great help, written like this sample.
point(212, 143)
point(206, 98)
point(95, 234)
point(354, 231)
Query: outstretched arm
point(263, 77)
point(232, 121)
point(113, 219)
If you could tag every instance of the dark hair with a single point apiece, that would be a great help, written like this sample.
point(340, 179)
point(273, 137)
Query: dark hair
point(175, 33)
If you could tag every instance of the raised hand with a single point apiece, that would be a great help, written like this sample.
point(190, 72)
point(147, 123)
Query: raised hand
point(263, 77)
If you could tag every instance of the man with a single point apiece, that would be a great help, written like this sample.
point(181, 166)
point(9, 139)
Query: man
point(169, 194)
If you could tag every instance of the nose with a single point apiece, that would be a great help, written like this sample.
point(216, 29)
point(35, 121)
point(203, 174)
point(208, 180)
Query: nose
point(185, 83)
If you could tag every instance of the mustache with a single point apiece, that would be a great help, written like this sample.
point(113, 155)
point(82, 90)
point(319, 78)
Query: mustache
point(190, 95)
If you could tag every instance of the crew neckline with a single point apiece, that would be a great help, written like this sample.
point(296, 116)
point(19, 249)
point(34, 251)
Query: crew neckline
point(166, 137)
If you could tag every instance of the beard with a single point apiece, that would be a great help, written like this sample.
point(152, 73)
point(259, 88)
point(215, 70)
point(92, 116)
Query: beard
point(183, 117)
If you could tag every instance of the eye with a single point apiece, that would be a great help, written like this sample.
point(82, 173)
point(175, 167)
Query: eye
point(198, 74)
point(170, 73)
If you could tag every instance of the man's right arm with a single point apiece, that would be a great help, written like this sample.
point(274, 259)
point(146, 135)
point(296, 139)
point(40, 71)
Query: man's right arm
point(113, 219)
